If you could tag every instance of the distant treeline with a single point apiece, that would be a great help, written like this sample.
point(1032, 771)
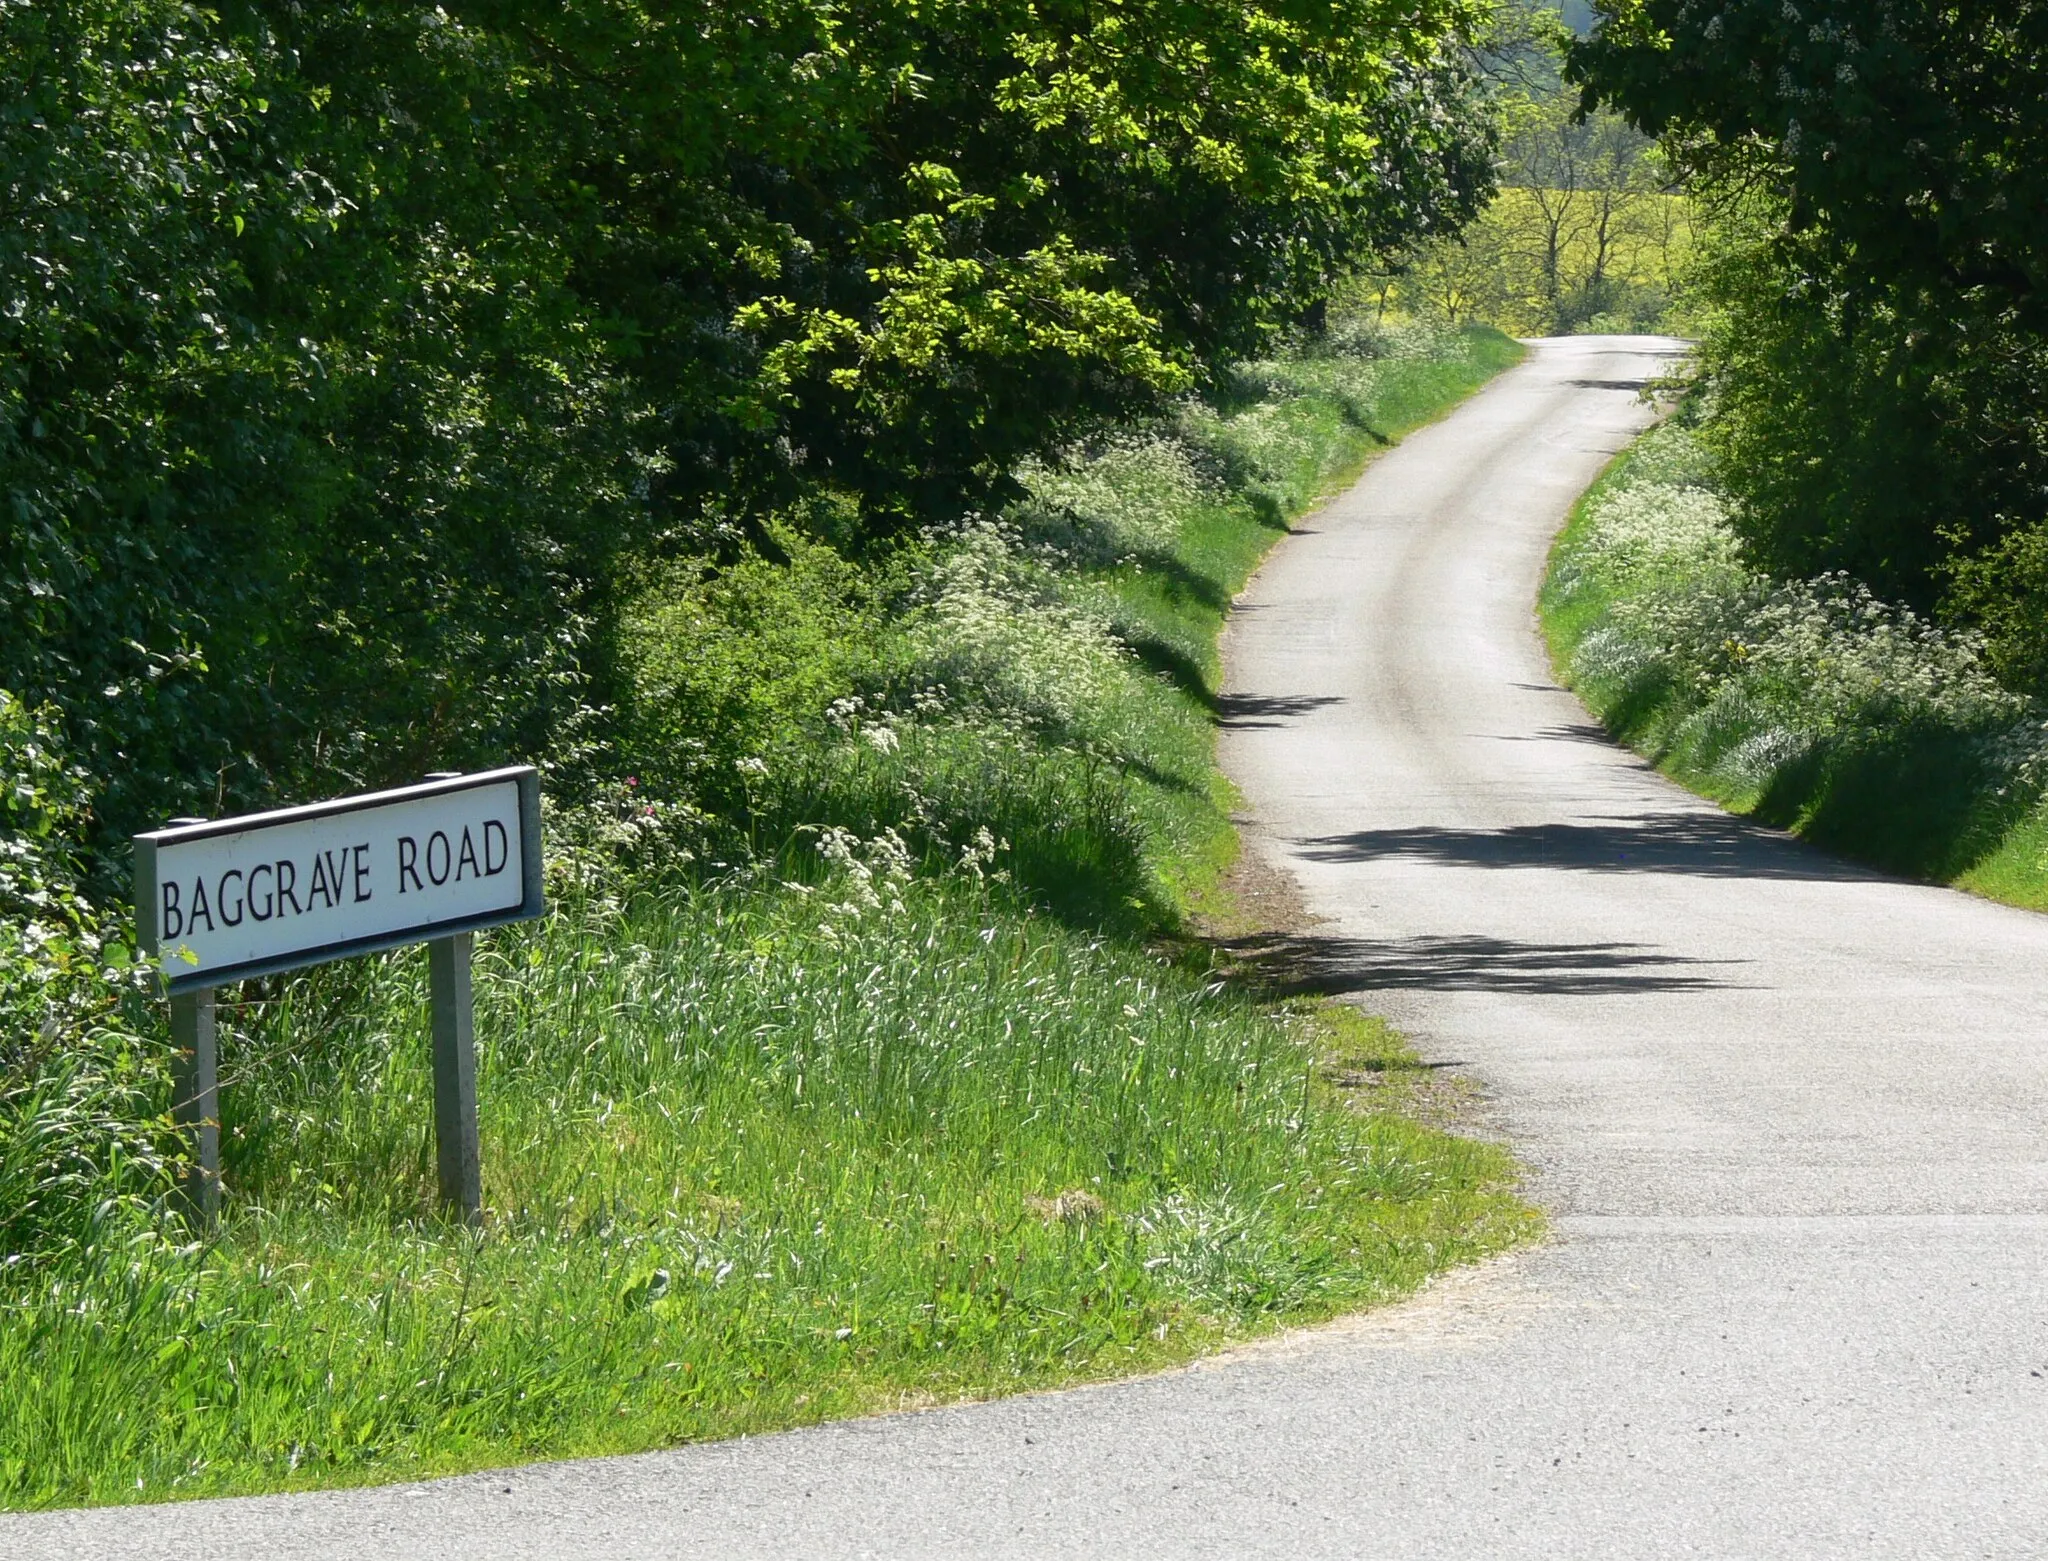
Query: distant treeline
point(1588, 233)
point(359, 360)
point(1873, 303)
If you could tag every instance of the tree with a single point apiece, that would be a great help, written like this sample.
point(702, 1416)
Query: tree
point(358, 357)
point(1880, 340)
point(922, 237)
point(1584, 186)
point(1902, 138)
point(1584, 226)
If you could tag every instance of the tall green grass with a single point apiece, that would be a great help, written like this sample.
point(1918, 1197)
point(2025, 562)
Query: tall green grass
point(751, 1162)
point(1807, 704)
point(893, 1083)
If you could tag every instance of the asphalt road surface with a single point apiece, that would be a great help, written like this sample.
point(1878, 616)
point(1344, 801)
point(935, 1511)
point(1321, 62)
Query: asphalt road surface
point(1791, 1118)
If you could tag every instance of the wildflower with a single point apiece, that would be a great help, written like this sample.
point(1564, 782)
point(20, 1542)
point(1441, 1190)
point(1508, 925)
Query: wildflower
point(996, 625)
point(979, 852)
point(1774, 670)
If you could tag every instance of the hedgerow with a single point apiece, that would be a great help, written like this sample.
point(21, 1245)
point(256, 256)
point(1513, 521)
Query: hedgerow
point(1812, 703)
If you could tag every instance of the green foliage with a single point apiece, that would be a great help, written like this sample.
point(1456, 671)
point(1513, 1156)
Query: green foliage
point(1046, 673)
point(756, 1159)
point(1050, 674)
point(926, 239)
point(651, 389)
point(360, 360)
point(881, 1084)
point(1555, 260)
point(1585, 233)
point(734, 667)
point(1875, 329)
point(308, 484)
point(2004, 590)
point(1902, 136)
point(1810, 704)
point(1852, 443)
point(42, 812)
point(79, 1157)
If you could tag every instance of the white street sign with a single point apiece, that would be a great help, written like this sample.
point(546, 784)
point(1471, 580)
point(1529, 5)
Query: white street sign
point(271, 891)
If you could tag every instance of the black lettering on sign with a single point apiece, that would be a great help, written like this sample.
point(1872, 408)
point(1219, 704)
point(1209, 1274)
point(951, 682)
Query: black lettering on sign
point(264, 909)
point(322, 889)
point(200, 907)
point(497, 848)
point(337, 867)
point(361, 856)
point(438, 875)
point(171, 920)
point(288, 888)
point(466, 860)
point(221, 895)
point(408, 862)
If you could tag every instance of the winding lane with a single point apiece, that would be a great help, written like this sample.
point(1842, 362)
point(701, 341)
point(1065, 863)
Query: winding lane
point(1791, 1118)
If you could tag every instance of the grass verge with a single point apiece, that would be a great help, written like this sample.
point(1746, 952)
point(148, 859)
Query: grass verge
point(913, 1094)
point(1808, 705)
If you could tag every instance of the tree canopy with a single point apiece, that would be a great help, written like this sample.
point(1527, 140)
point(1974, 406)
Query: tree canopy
point(354, 354)
point(1883, 327)
point(1903, 137)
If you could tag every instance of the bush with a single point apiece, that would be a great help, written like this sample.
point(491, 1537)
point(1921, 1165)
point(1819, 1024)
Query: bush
point(1873, 321)
point(359, 360)
point(79, 1089)
point(1812, 702)
point(734, 667)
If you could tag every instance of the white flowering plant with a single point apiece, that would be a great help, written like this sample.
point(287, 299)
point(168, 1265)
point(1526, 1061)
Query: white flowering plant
point(79, 1086)
point(1802, 698)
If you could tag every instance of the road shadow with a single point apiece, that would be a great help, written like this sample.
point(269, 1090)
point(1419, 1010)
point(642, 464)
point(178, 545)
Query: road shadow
point(1246, 711)
point(1292, 964)
point(1689, 844)
point(1567, 731)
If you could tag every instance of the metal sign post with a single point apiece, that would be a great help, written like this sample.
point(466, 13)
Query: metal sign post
point(456, 1154)
point(220, 901)
point(195, 1099)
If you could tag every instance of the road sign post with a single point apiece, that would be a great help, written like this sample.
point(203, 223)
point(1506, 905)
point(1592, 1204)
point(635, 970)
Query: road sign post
point(195, 1099)
point(456, 1153)
point(224, 900)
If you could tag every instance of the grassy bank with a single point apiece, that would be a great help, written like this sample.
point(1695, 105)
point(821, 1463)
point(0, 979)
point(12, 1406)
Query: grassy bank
point(888, 1081)
point(1809, 704)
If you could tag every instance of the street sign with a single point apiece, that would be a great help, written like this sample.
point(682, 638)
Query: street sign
point(225, 899)
point(239, 897)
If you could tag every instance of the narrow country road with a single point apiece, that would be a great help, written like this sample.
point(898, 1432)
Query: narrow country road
point(1791, 1119)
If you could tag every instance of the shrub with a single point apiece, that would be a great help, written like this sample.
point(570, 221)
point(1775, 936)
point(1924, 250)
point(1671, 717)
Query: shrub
point(1813, 702)
point(735, 666)
point(998, 628)
point(79, 1156)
